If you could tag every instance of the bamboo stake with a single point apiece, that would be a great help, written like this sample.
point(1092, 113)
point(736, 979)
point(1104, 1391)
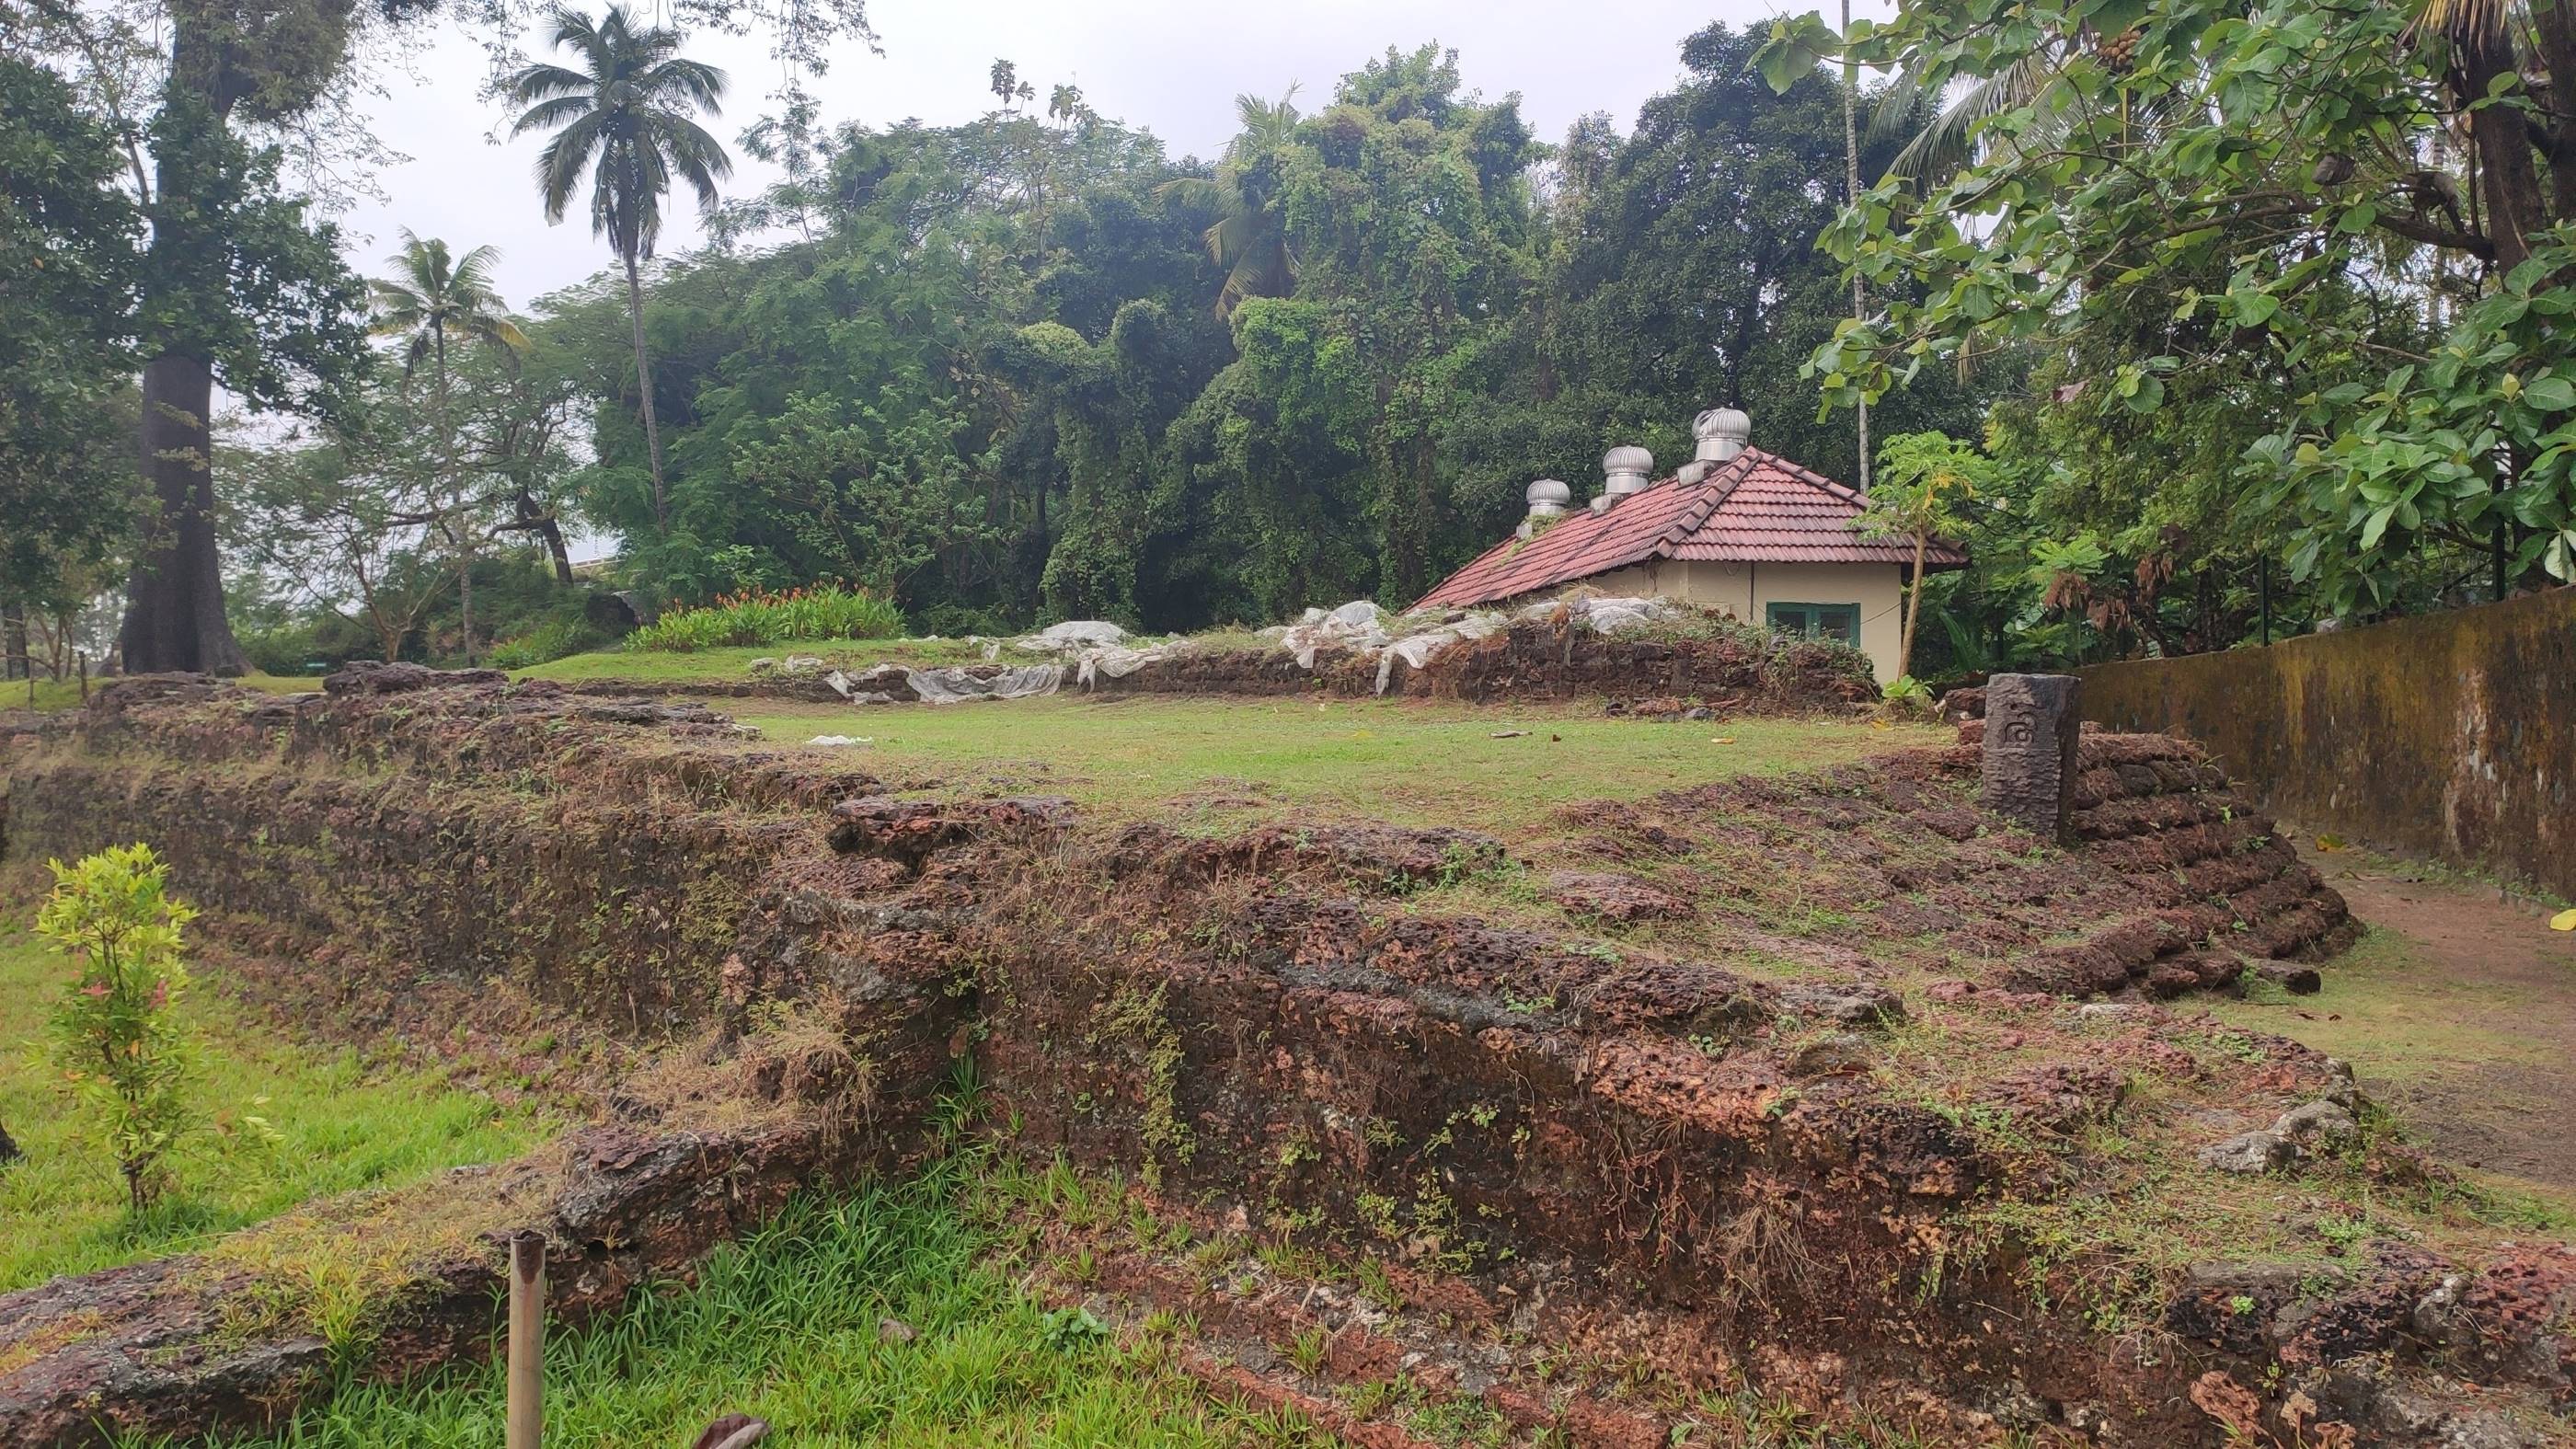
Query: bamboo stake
point(527, 1340)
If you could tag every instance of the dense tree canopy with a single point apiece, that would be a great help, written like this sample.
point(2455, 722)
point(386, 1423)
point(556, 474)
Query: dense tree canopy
point(2294, 276)
point(2237, 317)
point(1031, 365)
point(70, 262)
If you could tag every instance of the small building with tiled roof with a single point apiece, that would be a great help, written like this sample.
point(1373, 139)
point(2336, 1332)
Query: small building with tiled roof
point(1740, 530)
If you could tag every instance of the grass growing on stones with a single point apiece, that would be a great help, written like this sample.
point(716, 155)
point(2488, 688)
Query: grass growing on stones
point(887, 1317)
point(1223, 762)
point(65, 693)
point(340, 1126)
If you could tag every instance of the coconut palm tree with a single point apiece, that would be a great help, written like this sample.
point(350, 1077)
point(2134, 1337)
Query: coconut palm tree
point(625, 117)
point(1249, 237)
point(433, 297)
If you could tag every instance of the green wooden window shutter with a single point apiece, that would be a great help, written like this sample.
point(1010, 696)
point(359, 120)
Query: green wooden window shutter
point(1839, 622)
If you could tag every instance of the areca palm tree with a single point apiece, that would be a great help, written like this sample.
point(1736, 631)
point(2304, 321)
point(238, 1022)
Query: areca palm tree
point(624, 117)
point(1249, 237)
point(433, 297)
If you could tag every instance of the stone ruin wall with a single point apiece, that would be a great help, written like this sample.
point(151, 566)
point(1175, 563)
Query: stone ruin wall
point(1237, 1017)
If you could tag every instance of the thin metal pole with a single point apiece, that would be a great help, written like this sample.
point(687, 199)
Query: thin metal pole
point(527, 1340)
point(84, 673)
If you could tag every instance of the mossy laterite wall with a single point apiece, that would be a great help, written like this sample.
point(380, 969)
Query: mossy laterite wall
point(2451, 734)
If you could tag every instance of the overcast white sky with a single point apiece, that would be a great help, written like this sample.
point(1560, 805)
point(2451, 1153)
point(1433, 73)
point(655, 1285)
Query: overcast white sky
point(1168, 66)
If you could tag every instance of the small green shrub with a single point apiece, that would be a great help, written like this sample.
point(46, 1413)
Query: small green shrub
point(117, 1032)
point(822, 611)
point(1907, 698)
point(545, 643)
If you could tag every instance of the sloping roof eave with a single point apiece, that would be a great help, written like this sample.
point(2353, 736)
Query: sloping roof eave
point(1756, 508)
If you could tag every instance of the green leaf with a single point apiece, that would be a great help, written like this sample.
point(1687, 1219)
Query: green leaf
point(1798, 44)
point(2551, 394)
point(2560, 560)
point(2253, 309)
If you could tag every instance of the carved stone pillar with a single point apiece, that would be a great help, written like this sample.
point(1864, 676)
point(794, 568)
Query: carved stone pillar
point(2029, 768)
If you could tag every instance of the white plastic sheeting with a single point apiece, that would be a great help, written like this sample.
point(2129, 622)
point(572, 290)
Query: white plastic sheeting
point(1416, 649)
point(1412, 639)
point(1095, 649)
point(1072, 637)
point(949, 686)
point(1355, 625)
point(1099, 664)
point(1607, 614)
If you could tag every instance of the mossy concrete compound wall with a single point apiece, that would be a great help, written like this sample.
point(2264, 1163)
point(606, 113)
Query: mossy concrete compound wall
point(2451, 734)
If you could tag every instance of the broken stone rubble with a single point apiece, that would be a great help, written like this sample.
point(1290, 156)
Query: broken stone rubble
point(2323, 1124)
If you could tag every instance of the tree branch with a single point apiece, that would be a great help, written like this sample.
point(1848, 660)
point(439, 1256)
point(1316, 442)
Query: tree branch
point(2416, 228)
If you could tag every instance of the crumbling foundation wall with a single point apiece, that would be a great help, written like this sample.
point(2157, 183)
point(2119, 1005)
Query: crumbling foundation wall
point(1251, 1020)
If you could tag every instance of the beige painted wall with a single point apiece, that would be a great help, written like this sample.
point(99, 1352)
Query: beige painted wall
point(1747, 590)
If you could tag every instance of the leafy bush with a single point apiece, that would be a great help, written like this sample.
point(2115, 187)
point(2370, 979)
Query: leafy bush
point(117, 1032)
point(821, 611)
point(316, 645)
point(1906, 698)
point(550, 640)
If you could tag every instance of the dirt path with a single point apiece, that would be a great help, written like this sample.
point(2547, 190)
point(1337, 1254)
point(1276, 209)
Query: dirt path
point(2459, 1009)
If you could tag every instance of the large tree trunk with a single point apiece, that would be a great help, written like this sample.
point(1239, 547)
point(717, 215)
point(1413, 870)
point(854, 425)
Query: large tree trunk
point(2507, 175)
point(17, 663)
point(2553, 26)
point(174, 617)
point(644, 389)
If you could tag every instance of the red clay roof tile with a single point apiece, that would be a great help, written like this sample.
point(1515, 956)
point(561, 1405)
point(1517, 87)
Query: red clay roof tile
point(1756, 506)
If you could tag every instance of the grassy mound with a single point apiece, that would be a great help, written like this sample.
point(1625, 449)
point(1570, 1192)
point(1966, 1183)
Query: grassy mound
point(1404, 761)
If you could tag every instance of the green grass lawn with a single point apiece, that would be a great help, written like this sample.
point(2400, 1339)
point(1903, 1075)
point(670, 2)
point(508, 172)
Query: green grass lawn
point(2468, 1059)
point(2398, 1015)
point(1407, 761)
point(784, 1325)
point(734, 661)
point(341, 1125)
